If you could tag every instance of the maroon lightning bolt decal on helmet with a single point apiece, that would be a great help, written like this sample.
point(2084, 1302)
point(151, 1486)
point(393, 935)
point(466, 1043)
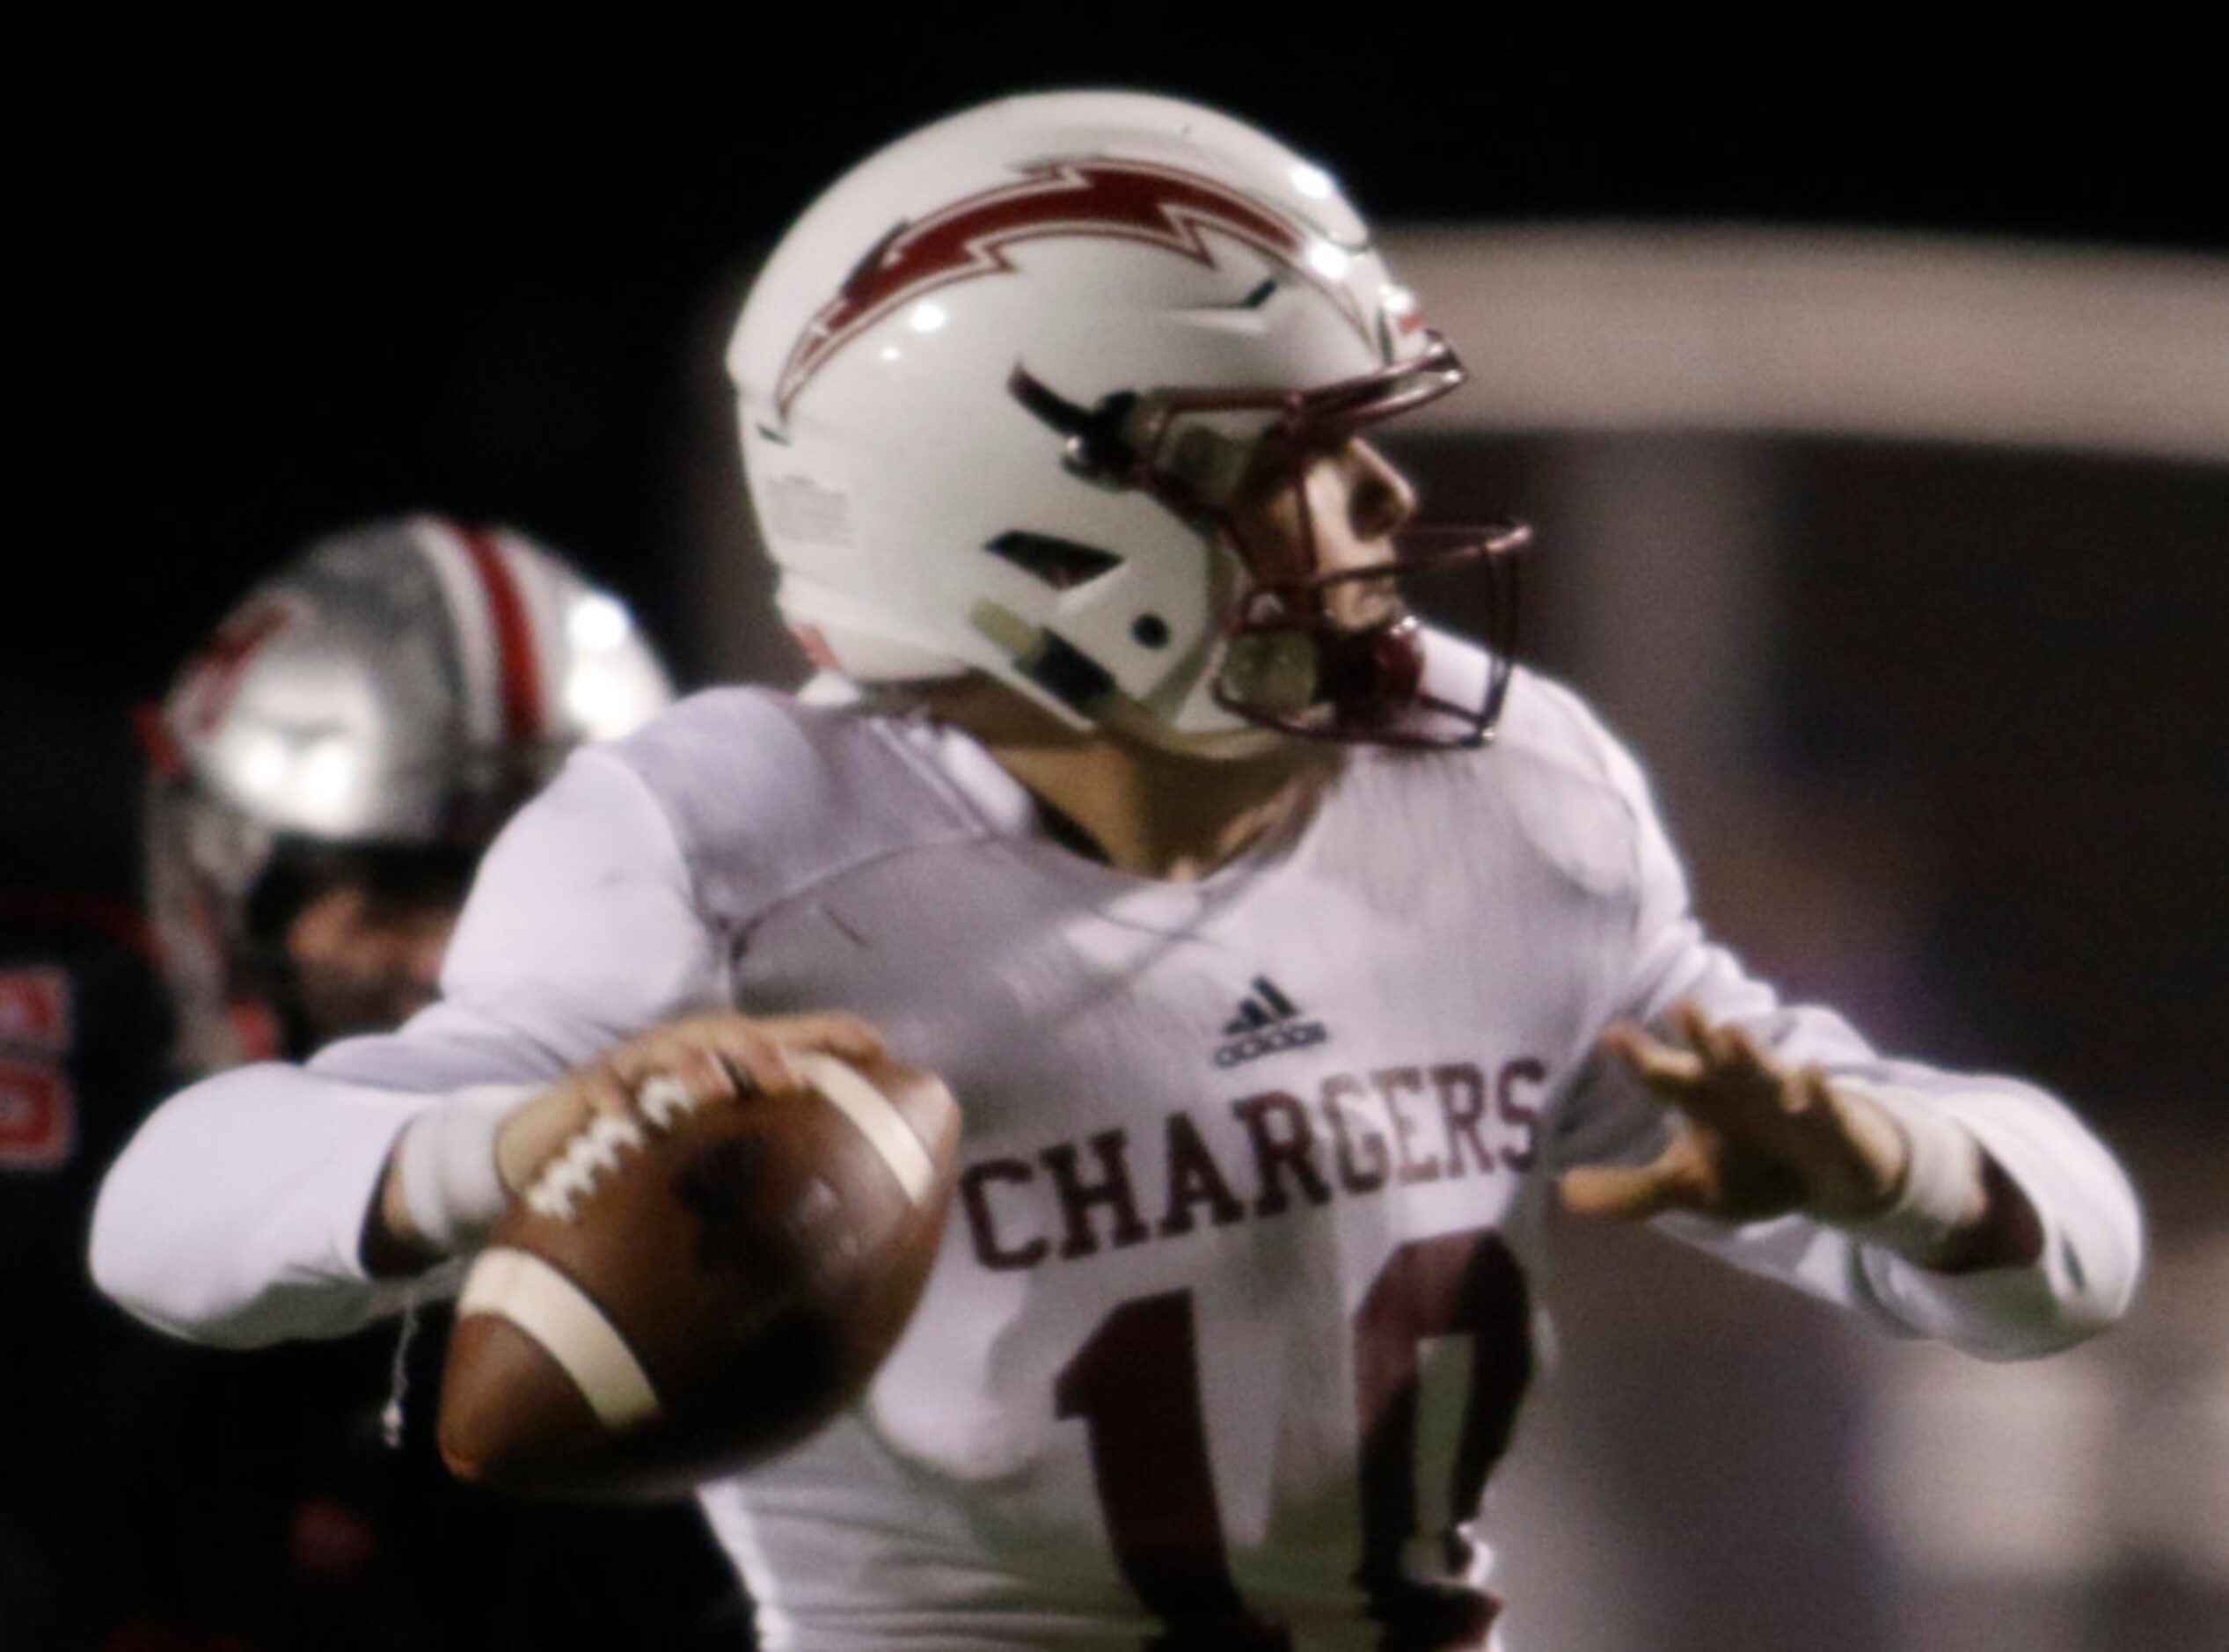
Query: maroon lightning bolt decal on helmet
point(1129, 200)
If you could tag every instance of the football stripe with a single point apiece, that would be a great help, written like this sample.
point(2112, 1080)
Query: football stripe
point(514, 1285)
point(875, 1114)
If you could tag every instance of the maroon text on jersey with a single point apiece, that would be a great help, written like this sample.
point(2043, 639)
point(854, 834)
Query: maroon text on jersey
point(1442, 1123)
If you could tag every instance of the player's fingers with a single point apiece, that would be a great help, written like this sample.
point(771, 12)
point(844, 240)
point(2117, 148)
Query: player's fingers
point(1741, 1088)
point(1808, 1095)
point(654, 1059)
point(1624, 1193)
point(699, 1075)
point(529, 1135)
point(1662, 1067)
point(1691, 1023)
point(606, 1087)
point(717, 1056)
point(758, 1060)
point(724, 1078)
point(1868, 1152)
point(1815, 1127)
point(1739, 1057)
point(836, 1031)
point(1737, 1069)
point(1724, 1049)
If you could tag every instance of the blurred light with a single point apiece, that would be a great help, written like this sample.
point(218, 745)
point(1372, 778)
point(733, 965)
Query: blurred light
point(328, 770)
point(1903, 338)
point(1328, 261)
point(927, 317)
point(1311, 181)
point(598, 622)
point(888, 353)
point(1997, 1473)
point(596, 697)
point(263, 763)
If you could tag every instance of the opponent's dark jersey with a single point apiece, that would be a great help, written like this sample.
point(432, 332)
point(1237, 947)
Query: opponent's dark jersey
point(157, 1493)
point(84, 1036)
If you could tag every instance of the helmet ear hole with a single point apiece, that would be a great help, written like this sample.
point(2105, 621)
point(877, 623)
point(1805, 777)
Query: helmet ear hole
point(1099, 447)
point(1151, 630)
point(1062, 564)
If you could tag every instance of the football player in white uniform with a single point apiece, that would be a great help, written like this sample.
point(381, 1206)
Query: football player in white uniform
point(1288, 960)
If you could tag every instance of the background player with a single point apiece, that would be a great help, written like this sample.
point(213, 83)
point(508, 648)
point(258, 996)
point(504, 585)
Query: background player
point(324, 773)
point(1055, 415)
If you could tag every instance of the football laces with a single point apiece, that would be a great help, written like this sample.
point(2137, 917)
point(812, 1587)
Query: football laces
point(572, 1174)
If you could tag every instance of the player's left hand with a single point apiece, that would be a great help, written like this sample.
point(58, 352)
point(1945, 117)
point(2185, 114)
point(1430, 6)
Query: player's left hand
point(1757, 1138)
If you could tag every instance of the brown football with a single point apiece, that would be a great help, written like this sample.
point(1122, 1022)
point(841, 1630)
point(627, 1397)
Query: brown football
point(672, 1301)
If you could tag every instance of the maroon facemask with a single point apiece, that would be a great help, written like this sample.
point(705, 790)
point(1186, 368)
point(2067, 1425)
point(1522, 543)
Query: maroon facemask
point(1286, 663)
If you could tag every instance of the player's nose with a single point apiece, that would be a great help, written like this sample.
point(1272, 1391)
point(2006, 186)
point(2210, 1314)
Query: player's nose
point(1380, 500)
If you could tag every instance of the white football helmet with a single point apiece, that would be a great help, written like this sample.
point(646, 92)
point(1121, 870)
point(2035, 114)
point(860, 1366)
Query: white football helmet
point(375, 710)
point(1001, 382)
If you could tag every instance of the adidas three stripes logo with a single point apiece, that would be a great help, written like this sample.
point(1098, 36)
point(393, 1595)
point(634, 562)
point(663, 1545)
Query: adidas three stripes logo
point(1267, 1022)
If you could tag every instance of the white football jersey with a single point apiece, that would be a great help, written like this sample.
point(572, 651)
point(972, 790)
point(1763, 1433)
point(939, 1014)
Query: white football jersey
point(1236, 1302)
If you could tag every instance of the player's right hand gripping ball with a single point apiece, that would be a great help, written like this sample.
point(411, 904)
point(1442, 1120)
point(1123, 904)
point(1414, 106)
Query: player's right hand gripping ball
point(674, 1300)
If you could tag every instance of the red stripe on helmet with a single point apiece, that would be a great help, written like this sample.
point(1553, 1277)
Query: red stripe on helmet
point(520, 674)
point(160, 745)
point(1096, 197)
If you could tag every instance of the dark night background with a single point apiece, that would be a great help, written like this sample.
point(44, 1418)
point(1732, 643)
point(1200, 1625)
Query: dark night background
point(283, 282)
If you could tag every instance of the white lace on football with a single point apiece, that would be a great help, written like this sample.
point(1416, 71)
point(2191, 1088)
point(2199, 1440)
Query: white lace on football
point(663, 1097)
point(571, 1175)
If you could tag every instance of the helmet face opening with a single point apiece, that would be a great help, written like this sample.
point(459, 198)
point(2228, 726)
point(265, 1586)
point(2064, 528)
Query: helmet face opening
point(1287, 660)
point(1287, 665)
point(319, 991)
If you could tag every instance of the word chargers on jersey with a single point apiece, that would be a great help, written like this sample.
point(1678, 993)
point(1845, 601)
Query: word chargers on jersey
point(1355, 1135)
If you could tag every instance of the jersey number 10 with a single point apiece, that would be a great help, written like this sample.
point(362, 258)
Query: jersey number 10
point(1135, 1384)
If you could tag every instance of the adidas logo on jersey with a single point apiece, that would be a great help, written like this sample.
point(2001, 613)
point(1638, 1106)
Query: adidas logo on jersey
point(1267, 1022)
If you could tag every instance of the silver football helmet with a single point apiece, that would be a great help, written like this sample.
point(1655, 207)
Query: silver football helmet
point(376, 710)
point(1002, 384)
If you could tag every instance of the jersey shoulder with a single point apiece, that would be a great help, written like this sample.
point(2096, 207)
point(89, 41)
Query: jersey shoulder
point(1554, 776)
point(769, 793)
